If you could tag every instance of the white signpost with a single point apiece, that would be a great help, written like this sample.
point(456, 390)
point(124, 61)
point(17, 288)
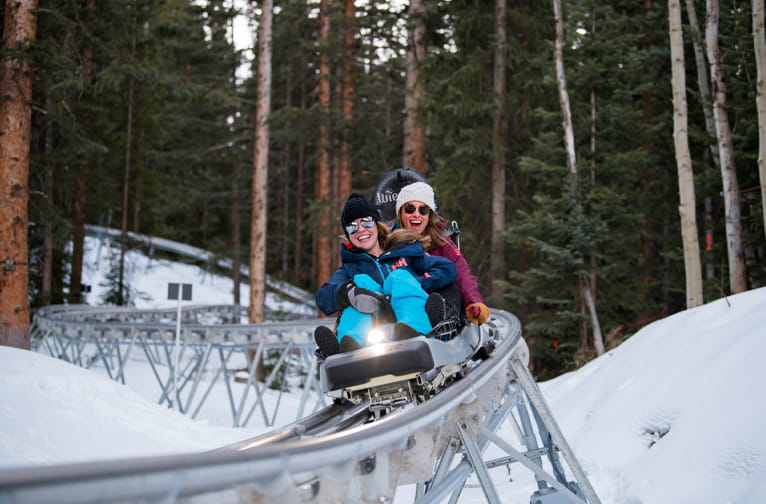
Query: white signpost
point(181, 292)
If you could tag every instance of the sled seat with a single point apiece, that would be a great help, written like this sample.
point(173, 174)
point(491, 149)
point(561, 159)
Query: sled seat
point(395, 359)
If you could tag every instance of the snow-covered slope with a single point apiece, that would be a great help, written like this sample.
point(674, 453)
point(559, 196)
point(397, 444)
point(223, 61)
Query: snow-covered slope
point(675, 413)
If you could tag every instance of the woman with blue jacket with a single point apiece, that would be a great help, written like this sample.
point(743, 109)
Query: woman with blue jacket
point(371, 266)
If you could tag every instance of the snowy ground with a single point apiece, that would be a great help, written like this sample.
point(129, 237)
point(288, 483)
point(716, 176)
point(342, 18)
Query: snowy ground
point(675, 414)
point(148, 278)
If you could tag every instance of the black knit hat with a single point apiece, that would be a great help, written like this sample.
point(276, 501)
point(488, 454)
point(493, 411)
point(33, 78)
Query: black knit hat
point(356, 207)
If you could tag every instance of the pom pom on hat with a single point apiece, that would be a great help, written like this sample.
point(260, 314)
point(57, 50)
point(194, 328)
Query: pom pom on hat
point(417, 191)
point(356, 207)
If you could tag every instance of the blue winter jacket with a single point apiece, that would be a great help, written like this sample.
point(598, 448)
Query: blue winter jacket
point(432, 272)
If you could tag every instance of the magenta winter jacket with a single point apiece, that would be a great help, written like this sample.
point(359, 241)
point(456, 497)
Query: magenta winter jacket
point(465, 281)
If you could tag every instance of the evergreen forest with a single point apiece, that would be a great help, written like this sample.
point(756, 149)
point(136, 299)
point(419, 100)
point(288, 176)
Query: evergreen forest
point(143, 112)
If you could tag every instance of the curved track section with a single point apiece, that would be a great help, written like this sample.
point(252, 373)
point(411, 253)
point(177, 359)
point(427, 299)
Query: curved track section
point(208, 348)
point(337, 455)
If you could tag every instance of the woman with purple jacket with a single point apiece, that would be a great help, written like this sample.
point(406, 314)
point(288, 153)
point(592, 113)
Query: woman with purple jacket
point(415, 206)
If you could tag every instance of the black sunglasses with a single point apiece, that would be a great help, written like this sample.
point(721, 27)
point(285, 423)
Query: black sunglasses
point(353, 227)
point(422, 210)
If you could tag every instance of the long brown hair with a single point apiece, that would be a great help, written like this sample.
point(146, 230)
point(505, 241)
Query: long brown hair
point(400, 235)
point(433, 236)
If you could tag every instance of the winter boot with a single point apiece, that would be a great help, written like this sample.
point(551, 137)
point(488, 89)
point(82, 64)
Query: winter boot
point(402, 331)
point(435, 308)
point(348, 344)
point(326, 341)
point(444, 330)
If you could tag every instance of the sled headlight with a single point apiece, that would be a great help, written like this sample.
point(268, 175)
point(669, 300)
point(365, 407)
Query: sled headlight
point(375, 336)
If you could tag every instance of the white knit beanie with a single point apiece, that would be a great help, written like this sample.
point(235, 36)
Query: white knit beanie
point(417, 191)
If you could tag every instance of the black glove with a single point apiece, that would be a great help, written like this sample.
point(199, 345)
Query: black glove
point(341, 295)
point(363, 300)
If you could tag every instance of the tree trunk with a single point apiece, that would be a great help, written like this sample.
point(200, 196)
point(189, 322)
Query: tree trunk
point(737, 278)
point(709, 265)
point(298, 267)
point(703, 83)
point(648, 251)
point(585, 289)
point(687, 206)
point(499, 140)
point(593, 117)
point(15, 135)
point(415, 92)
point(79, 215)
point(298, 274)
point(598, 339)
point(286, 195)
point(344, 173)
point(78, 238)
point(759, 40)
point(126, 176)
point(259, 218)
point(323, 187)
point(566, 114)
point(256, 311)
point(235, 235)
point(49, 205)
point(126, 190)
point(136, 225)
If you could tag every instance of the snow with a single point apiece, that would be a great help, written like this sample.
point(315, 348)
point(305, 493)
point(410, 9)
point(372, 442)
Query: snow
point(55, 412)
point(148, 277)
point(674, 414)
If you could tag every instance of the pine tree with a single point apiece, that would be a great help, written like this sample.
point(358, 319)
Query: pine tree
point(259, 218)
point(15, 134)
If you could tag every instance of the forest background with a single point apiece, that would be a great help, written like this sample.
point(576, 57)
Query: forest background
point(141, 120)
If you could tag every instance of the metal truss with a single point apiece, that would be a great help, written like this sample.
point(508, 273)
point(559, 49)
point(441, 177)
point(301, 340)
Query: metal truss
point(207, 354)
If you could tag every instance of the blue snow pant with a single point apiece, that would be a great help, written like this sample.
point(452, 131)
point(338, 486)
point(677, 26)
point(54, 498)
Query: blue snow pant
point(408, 301)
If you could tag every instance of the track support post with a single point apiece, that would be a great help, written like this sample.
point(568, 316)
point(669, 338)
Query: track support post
point(538, 402)
point(473, 454)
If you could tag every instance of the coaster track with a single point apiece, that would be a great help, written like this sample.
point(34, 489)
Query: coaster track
point(335, 454)
point(211, 342)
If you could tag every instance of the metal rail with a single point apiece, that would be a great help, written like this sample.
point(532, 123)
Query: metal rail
point(332, 456)
point(211, 347)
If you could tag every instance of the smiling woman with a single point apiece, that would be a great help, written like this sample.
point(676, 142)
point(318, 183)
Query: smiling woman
point(414, 206)
point(416, 211)
point(362, 226)
point(378, 280)
point(365, 235)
